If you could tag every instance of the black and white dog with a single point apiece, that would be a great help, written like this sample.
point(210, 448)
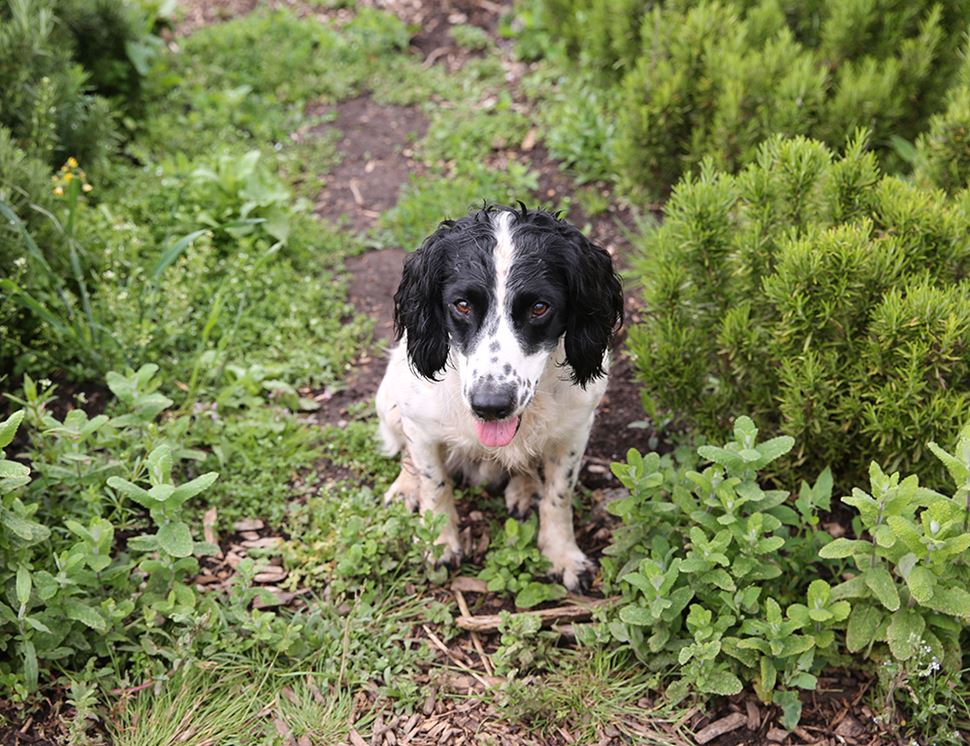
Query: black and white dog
point(505, 319)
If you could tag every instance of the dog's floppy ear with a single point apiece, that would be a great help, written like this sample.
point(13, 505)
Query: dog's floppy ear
point(595, 308)
point(418, 308)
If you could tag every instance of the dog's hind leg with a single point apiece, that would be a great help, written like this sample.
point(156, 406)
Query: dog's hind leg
point(389, 429)
point(407, 486)
point(521, 494)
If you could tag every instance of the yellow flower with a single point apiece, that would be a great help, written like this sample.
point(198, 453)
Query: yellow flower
point(59, 191)
point(72, 162)
point(87, 187)
point(68, 176)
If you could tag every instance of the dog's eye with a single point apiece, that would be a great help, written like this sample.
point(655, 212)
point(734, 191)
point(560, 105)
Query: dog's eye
point(539, 309)
point(462, 306)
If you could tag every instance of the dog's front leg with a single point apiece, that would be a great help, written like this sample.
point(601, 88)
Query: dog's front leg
point(556, 537)
point(435, 495)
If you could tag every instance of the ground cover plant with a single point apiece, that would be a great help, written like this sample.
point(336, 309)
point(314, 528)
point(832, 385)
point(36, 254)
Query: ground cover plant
point(197, 252)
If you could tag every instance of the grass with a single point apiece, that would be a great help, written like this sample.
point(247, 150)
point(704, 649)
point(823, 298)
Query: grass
point(586, 691)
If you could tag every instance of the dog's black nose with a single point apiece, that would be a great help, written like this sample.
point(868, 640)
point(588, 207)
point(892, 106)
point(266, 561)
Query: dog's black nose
point(492, 403)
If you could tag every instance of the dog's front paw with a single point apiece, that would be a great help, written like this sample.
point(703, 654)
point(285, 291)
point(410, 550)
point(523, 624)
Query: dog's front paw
point(405, 488)
point(572, 568)
point(451, 553)
point(521, 495)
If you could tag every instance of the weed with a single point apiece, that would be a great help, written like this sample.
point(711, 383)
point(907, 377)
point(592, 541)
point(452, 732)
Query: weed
point(514, 563)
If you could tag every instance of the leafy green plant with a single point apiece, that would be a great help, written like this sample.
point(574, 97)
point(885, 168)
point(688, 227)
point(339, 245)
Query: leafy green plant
point(523, 645)
point(704, 584)
point(73, 588)
point(943, 151)
point(238, 197)
point(470, 37)
point(911, 566)
point(514, 562)
point(685, 82)
point(827, 299)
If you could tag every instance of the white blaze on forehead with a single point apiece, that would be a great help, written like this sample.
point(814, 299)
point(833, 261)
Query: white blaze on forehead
point(503, 254)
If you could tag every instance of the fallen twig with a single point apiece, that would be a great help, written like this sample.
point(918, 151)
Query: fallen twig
point(463, 606)
point(571, 613)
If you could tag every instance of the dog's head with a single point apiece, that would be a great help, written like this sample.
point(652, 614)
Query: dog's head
point(502, 287)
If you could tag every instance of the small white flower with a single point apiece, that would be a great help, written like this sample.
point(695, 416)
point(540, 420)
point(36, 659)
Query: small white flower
point(20, 262)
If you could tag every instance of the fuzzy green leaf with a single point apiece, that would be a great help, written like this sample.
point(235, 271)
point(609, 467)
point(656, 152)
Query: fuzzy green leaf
point(721, 682)
point(84, 614)
point(24, 585)
point(190, 489)
point(864, 621)
point(636, 615)
point(921, 583)
point(953, 601)
point(176, 539)
point(904, 633)
point(841, 548)
point(883, 587)
point(8, 428)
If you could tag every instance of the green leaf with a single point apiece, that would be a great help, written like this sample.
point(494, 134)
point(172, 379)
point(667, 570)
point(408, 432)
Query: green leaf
point(8, 428)
point(791, 708)
point(176, 539)
point(775, 448)
point(84, 614)
point(636, 615)
point(952, 601)
point(864, 621)
point(905, 633)
point(921, 582)
point(30, 665)
point(35, 623)
point(173, 252)
point(536, 593)
point(133, 491)
point(27, 530)
point(23, 585)
point(883, 587)
point(191, 489)
point(721, 682)
point(840, 548)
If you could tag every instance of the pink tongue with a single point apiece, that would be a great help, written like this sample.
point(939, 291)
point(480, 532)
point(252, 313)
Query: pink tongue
point(496, 434)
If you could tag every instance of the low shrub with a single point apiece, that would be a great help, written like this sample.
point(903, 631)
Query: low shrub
point(943, 151)
point(830, 301)
point(732, 584)
point(714, 79)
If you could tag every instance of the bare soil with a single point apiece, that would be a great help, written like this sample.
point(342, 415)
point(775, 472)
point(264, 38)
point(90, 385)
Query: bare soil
point(376, 159)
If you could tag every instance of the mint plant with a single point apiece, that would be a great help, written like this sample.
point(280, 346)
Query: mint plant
point(911, 568)
point(515, 564)
point(704, 583)
point(72, 589)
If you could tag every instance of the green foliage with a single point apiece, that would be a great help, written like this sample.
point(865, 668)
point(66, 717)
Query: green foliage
point(911, 566)
point(355, 547)
point(689, 81)
point(523, 645)
point(58, 61)
point(113, 41)
point(704, 584)
point(943, 151)
point(427, 200)
point(71, 589)
point(829, 301)
point(514, 563)
point(470, 37)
